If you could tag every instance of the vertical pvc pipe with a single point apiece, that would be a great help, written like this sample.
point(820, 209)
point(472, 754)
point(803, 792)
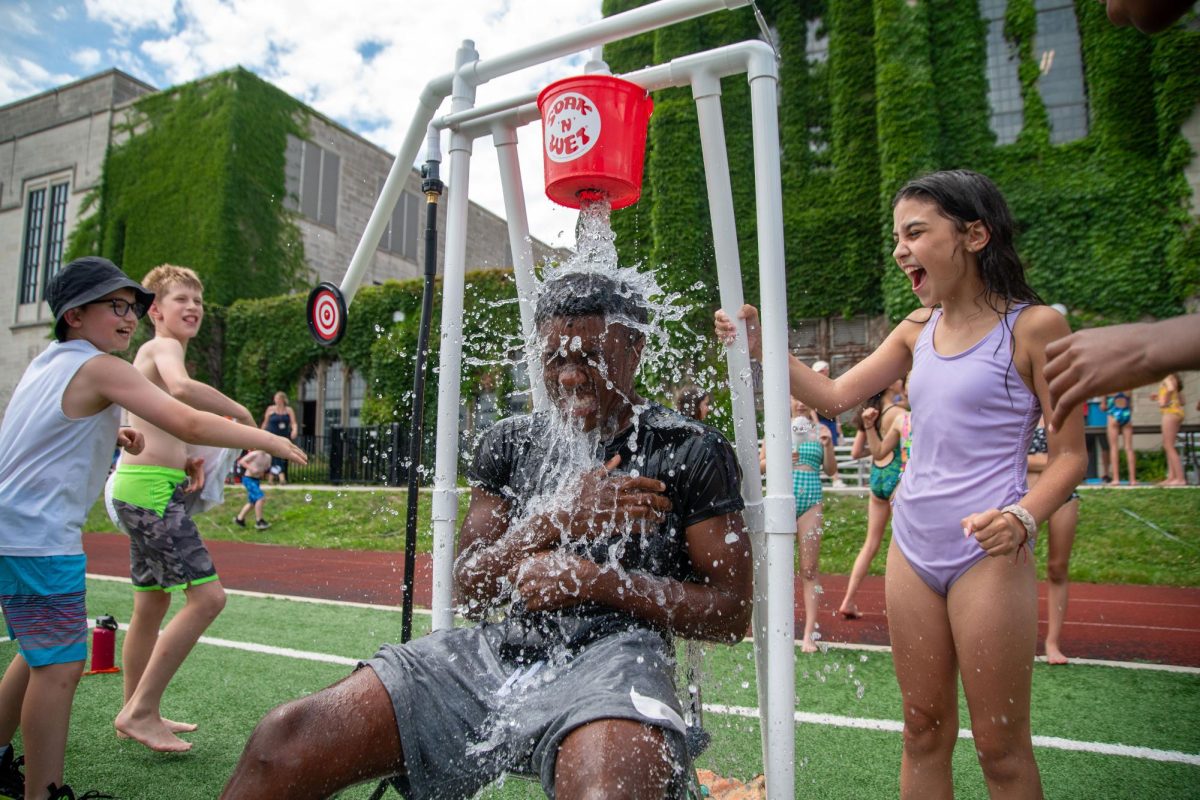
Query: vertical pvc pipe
point(706, 89)
point(445, 491)
point(779, 505)
point(504, 137)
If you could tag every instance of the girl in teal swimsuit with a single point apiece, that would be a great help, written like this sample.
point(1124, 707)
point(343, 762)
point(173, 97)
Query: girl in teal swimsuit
point(812, 451)
point(876, 417)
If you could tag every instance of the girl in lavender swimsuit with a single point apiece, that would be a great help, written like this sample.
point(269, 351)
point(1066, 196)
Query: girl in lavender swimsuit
point(961, 588)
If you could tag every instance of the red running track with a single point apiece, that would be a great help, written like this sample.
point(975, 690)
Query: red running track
point(1159, 624)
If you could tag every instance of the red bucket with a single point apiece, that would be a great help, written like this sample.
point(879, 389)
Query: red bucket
point(594, 138)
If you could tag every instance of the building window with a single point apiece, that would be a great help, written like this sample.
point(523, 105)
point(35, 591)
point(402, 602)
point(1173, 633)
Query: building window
point(333, 396)
point(404, 229)
point(358, 391)
point(45, 234)
point(816, 42)
point(1056, 46)
point(311, 180)
point(1004, 84)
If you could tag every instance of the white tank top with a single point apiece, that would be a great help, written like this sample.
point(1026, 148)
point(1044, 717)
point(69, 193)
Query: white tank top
point(52, 467)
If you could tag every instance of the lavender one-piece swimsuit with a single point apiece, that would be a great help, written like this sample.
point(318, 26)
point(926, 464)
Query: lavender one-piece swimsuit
point(971, 433)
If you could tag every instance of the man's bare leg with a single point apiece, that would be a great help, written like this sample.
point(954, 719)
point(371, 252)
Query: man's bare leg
point(320, 744)
point(613, 759)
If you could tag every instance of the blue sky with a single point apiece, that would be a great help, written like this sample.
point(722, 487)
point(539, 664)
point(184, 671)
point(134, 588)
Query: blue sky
point(361, 62)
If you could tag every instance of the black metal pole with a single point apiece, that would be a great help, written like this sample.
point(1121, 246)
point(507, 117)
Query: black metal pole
point(432, 187)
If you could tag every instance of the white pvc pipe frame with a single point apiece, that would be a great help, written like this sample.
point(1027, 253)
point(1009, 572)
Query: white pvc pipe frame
point(770, 520)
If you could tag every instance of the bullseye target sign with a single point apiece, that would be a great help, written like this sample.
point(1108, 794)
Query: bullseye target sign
point(327, 314)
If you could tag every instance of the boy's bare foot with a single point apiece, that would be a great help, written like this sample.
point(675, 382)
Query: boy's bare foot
point(809, 646)
point(152, 733)
point(1055, 656)
point(172, 726)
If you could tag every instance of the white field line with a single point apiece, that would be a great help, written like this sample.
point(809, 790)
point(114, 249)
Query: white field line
point(868, 648)
point(892, 726)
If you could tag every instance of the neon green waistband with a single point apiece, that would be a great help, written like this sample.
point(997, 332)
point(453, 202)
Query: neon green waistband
point(146, 485)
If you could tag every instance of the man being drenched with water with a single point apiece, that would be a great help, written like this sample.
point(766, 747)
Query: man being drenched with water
point(597, 531)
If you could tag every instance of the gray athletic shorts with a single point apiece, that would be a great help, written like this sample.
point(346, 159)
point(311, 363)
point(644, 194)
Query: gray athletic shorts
point(467, 714)
point(165, 552)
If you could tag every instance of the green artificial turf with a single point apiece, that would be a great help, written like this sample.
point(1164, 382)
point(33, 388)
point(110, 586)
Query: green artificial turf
point(227, 691)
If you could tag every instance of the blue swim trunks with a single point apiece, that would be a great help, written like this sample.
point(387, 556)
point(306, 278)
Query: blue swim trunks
point(43, 602)
point(254, 491)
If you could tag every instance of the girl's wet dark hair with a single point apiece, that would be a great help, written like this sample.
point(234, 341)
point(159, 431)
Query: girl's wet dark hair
point(963, 197)
point(585, 294)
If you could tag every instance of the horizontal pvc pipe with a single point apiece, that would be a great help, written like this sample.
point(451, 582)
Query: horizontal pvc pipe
point(754, 58)
point(610, 29)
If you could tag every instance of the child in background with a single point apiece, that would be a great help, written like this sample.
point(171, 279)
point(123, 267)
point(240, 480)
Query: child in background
point(1119, 408)
point(1061, 527)
point(1170, 402)
point(256, 463)
point(961, 586)
point(812, 451)
point(882, 413)
point(62, 420)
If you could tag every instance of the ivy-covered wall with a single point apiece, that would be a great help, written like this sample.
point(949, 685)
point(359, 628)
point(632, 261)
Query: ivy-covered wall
point(268, 345)
point(1104, 223)
point(197, 178)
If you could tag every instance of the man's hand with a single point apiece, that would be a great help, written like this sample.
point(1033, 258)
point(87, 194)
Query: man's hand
point(549, 581)
point(1093, 362)
point(726, 329)
point(609, 503)
point(130, 440)
point(194, 467)
point(997, 533)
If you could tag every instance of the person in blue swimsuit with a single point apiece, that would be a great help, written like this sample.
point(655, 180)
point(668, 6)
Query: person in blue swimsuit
point(280, 420)
point(1119, 408)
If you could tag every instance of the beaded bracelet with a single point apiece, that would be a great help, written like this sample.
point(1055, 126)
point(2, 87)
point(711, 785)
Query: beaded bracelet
point(1024, 517)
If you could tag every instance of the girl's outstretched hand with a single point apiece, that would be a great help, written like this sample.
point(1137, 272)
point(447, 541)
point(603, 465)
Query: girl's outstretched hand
point(726, 329)
point(997, 533)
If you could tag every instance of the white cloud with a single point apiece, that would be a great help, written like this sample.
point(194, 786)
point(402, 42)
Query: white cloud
point(20, 78)
point(311, 49)
point(87, 58)
point(132, 14)
point(60, 14)
point(19, 18)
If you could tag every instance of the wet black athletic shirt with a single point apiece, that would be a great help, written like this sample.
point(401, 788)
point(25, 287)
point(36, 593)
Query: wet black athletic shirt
point(694, 461)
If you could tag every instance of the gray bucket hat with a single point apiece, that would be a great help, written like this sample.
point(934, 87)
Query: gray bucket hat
point(84, 280)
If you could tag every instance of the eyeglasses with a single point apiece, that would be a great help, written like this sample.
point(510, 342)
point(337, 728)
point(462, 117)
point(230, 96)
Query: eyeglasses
point(122, 307)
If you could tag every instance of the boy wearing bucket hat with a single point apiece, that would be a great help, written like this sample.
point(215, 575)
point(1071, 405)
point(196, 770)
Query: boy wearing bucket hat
point(63, 420)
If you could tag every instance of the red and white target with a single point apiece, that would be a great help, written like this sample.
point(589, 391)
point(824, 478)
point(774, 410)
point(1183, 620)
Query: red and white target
point(326, 314)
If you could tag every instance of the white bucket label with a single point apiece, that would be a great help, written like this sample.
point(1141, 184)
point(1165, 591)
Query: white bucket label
point(572, 127)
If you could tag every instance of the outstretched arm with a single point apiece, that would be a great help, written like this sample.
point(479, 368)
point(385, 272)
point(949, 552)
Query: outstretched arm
point(1103, 360)
point(107, 379)
point(831, 397)
point(167, 355)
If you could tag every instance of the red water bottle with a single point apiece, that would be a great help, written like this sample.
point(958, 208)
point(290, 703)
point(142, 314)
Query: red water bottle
point(104, 643)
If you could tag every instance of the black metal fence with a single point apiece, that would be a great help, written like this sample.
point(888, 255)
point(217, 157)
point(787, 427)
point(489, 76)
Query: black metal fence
point(375, 455)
